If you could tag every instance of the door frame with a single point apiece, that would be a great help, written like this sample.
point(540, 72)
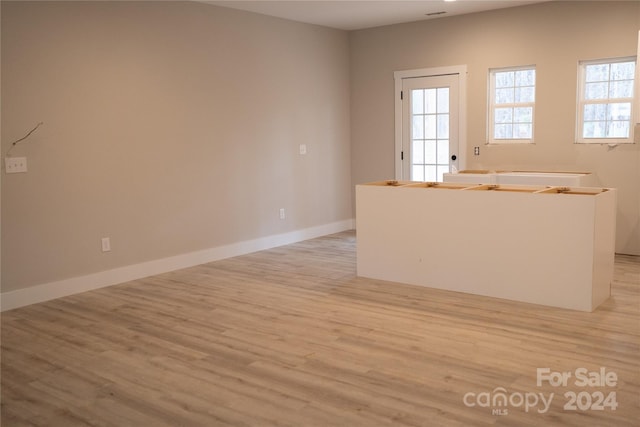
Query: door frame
point(398, 76)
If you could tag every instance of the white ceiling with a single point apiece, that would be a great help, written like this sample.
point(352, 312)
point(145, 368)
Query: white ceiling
point(359, 14)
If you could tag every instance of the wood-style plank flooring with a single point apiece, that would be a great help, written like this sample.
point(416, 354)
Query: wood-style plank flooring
point(291, 337)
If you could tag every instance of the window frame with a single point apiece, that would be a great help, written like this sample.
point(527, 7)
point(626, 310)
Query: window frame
point(491, 140)
point(581, 102)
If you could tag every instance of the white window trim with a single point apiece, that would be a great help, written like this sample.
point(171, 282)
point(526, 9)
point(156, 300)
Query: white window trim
point(491, 108)
point(461, 70)
point(580, 103)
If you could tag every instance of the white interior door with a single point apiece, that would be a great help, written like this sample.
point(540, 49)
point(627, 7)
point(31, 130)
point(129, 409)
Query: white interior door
point(430, 127)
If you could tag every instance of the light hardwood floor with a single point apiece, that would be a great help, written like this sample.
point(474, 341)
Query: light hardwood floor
point(291, 337)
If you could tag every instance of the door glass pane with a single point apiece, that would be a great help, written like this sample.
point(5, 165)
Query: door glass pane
point(417, 173)
point(443, 151)
point(430, 126)
point(417, 155)
point(417, 101)
point(443, 100)
point(418, 127)
point(430, 101)
point(430, 152)
point(443, 126)
point(430, 174)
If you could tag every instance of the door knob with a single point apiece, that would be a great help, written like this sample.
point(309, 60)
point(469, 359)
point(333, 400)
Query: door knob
point(454, 157)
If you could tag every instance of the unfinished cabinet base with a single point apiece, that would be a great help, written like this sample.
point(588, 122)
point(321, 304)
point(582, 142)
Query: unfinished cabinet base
point(551, 246)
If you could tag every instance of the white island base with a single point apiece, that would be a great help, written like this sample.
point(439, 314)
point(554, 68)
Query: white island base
point(544, 245)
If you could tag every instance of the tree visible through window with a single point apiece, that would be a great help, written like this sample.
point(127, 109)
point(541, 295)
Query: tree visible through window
point(512, 104)
point(605, 100)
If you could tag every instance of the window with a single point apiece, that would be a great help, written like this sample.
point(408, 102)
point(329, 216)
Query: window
point(512, 93)
point(605, 99)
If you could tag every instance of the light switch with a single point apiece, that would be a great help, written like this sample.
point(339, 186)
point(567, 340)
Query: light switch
point(106, 244)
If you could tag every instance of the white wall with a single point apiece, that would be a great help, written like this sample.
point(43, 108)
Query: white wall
point(554, 36)
point(170, 127)
point(173, 127)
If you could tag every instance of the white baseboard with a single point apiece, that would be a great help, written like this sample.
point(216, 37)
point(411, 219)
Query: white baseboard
point(74, 285)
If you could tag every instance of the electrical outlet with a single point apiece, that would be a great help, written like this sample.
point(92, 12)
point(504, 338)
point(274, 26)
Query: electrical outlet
point(106, 244)
point(303, 149)
point(15, 164)
point(476, 151)
point(282, 216)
